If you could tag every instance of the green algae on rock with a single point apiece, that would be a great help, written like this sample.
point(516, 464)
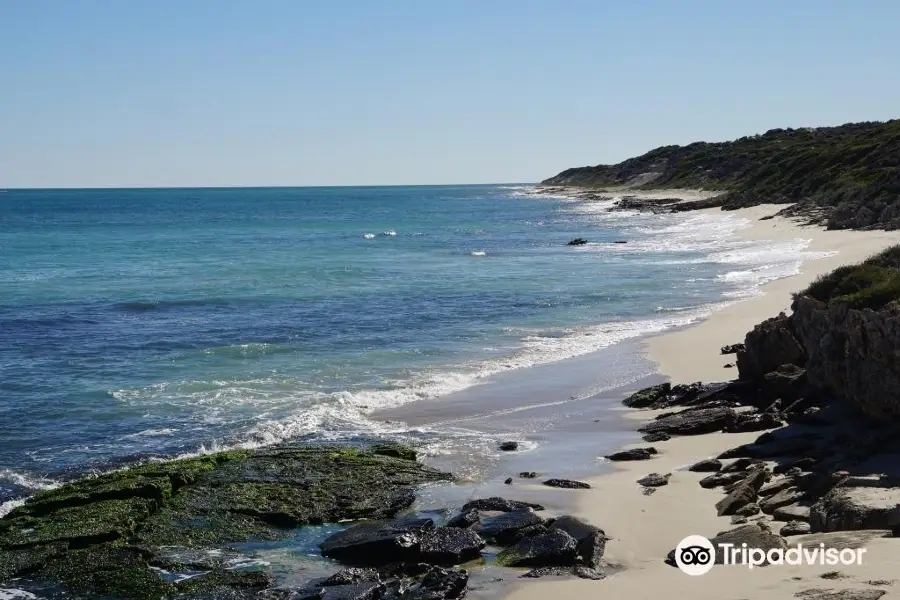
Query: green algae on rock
point(109, 535)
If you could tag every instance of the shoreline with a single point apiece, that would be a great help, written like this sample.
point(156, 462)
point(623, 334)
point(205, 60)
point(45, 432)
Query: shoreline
point(645, 528)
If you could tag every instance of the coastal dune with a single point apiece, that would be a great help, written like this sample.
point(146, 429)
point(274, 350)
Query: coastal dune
point(644, 528)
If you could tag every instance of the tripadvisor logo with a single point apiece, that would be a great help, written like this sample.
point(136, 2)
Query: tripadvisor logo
point(696, 555)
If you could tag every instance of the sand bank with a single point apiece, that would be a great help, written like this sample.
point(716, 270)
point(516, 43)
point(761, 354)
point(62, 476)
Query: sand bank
point(645, 528)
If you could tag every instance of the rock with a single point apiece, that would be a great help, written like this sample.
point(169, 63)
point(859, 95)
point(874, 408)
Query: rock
point(567, 483)
point(851, 353)
point(633, 454)
point(748, 510)
point(800, 463)
point(787, 382)
point(395, 450)
point(652, 438)
point(783, 498)
point(753, 422)
point(792, 512)
point(528, 475)
point(367, 590)
point(654, 480)
point(847, 594)
point(554, 548)
point(464, 519)
point(577, 571)
point(743, 494)
point(373, 543)
point(741, 464)
point(500, 505)
point(440, 584)
point(710, 465)
point(508, 481)
point(773, 449)
point(98, 536)
point(769, 345)
point(591, 540)
point(738, 520)
point(756, 535)
point(352, 575)
point(728, 366)
point(695, 422)
point(732, 349)
point(855, 508)
point(503, 528)
point(450, 546)
point(509, 446)
point(577, 242)
point(773, 487)
point(720, 479)
point(795, 528)
point(649, 397)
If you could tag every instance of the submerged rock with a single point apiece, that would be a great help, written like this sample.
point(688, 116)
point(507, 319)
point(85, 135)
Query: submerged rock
point(375, 543)
point(577, 242)
point(509, 446)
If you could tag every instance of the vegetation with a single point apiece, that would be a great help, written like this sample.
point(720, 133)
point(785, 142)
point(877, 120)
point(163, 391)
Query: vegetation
point(873, 283)
point(847, 177)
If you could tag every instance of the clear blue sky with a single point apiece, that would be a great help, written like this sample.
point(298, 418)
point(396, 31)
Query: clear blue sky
point(343, 92)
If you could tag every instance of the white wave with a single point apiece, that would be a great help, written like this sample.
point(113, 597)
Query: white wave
point(369, 236)
point(14, 594)
point(9, 505)
point(479, 253)
point(150, 433)
point(390, 233)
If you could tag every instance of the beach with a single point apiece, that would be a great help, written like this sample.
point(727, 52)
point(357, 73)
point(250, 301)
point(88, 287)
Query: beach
point(643, 529)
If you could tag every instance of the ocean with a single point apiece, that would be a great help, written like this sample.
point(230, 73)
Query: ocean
point(161, 322)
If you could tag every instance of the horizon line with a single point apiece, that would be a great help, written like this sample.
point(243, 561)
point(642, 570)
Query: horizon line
point(247, 187)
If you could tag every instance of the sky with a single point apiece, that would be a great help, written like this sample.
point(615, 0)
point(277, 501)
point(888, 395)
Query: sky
point(97, 93)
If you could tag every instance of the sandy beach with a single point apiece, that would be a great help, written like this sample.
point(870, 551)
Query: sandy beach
point(645, 528)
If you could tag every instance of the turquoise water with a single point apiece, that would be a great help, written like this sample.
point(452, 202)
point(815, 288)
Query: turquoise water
point(154, 322)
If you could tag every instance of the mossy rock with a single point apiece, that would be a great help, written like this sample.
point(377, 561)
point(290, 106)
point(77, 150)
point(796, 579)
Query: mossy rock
point(99, 536)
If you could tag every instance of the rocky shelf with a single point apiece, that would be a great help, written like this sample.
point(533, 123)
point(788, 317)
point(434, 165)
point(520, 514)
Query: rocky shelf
point(176, 529)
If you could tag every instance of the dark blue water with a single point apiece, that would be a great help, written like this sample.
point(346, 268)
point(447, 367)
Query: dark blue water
point(161, 321)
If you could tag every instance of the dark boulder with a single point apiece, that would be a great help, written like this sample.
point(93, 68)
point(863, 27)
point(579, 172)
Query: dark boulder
point(633, 454)
point(652, 438)
point(528, 475)
point(508, 481)
point(732, 348)
point(795, 528)
point(591, 540)
point(769, 345)
point(747, 422)
point(654, 480)
point(366, 590)
point(710, 465)
point(373, 543)
point(505, 528)
point(743, 494)
point(567, 483)
point(351, 575)
point(553, 548)
point(464, 519)
point(509, 446)
point(499, 504)
point(720, 479)
point(450, 546)
point(693, 422)
point(649, 397)
point(439, 584)
point(577, 242)
point(788, 382)
point(853, 508)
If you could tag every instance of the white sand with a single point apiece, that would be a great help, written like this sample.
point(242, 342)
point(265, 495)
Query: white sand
point(645, 528)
